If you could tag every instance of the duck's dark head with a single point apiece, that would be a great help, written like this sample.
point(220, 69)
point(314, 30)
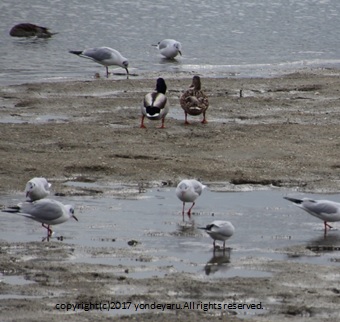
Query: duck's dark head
point(196, 83)
point(161, 86)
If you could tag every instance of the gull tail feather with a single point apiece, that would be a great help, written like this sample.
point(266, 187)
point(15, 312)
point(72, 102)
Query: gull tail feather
point(295, 200)
point(76, 52)
point(11, 209)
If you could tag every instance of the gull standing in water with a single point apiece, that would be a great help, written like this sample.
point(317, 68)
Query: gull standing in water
point(219, 230)
point(194, 101)
point(155, 104)
point(189, 190)
point(170, 48)
point(105, 56)
point(46, 211)
point(326, 210)
point(37, 188)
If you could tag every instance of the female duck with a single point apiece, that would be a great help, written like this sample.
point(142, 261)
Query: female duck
point(194, 101)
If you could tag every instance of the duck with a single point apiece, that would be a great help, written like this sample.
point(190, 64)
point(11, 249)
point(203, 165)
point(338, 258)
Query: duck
point(37, 188)
point(155, 104)
point(30, 30)
point(219, 230)
point(188, 190)
point(326, 210)
point(194, 101)
point(170, 48)
point(105, 56)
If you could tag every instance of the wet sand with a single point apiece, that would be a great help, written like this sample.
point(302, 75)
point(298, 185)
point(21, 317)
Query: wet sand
point(280, 131)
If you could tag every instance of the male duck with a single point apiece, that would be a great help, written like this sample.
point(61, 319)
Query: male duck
point(155, 105)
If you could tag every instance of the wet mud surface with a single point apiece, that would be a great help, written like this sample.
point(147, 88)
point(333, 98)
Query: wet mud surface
point(280, 132)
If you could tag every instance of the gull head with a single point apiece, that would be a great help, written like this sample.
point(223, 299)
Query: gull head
point(29, 188)
point(178, 46)
point(125, 63)
point(71, 212)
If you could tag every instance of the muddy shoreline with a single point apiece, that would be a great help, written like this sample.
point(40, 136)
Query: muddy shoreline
point(281, 131)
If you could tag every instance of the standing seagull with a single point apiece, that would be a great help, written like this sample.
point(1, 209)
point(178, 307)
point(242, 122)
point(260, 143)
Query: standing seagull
point(105, 56)
point(155, 104)
point(46, 211)
point(193, 101)
point(169, 48)
point(189, 190)
point(219, 230)
point(326, 210)
point(37, 188)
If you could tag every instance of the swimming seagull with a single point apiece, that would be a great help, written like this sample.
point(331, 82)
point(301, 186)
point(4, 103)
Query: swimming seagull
point(219, 230)
point(194, 101)
point(46, 211)
point(326, 210)
point(169, 48)
point(155, 104)
point(189, 190)
point(105, 56)
point(30, 30)
point(37, 188)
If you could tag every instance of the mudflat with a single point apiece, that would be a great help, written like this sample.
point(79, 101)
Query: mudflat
point(280, 131)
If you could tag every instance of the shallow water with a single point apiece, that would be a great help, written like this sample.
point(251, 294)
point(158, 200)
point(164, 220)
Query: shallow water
point(219, 38)
point(266, 225)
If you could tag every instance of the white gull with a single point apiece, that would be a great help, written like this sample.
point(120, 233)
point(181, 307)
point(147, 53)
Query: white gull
point(326, 210)
point(105, 56)
point(189, 190)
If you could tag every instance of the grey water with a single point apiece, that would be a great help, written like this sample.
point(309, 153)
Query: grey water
point(219, 38)
point(266, 226)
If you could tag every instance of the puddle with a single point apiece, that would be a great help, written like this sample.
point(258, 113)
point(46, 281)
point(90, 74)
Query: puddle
point(30, 118)
point(14, 280)
point(18, 297)
point(267, 227)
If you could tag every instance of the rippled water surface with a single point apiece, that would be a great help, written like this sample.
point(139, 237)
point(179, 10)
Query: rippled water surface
point(242, 38)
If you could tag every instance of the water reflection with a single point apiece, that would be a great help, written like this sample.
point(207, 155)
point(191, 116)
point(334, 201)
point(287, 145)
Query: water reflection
point(219, 261)
point(186, 228)
point(329, 242)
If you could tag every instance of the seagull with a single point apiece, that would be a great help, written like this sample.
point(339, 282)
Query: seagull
point(193, 101)
point(219, 230)
point(30, 30)
point(46, 211)
point(169, 48)
point(37, 188)
point(326, 210)
point(189, 190)
point(155, 104)
point(105, 56)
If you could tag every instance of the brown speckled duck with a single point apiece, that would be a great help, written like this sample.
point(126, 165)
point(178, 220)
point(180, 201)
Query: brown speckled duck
point(194, 101)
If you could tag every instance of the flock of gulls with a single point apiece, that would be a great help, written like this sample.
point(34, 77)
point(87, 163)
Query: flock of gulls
point(106, 56)
point(155, 106)
point(52, 212)
point(46, 211)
